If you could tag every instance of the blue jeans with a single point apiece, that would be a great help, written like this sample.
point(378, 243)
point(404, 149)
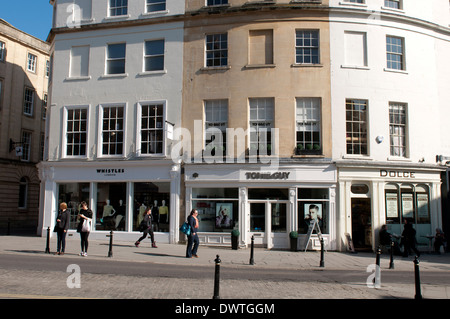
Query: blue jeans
point(192, 240)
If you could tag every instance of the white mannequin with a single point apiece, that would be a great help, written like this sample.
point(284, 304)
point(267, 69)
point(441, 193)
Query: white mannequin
point(108, 210)
point(119, 217)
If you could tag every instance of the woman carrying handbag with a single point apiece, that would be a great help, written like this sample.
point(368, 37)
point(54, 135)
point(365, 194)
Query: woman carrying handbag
point(84, 227)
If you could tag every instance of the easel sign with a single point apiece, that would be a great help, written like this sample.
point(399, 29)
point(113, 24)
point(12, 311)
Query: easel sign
point(350, 242)
point(313, 225)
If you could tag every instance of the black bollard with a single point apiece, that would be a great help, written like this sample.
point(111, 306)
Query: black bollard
point(217, 278)
point(8, 232)
point(110, 253)
point(322, 263)
point(252, 262)
point(47, 249)
point(378, 269)
point(417, 278)
point(391, 261)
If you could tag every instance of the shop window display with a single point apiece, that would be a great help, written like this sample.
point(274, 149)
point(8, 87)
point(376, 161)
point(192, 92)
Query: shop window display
point(313, 203)
point(156, 194)
point(111, 206)
point(73, 194)
point(408, 202)
point(218, 208)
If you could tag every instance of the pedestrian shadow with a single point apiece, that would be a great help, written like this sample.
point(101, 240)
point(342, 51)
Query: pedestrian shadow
point(159, 255)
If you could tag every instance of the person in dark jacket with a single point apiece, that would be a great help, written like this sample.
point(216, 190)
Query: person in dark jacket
point(62, 225)
point(146, 227)
point(386, 238)
point(193, 241)
point(84, 214)
point(409, 239)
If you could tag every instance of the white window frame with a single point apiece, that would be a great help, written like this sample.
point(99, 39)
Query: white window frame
point(311, 47)
point(216, 50)
point(149, 4)
point(2, 51)
point(27, 138)
point(153, 56)
point(396, 136)
point(108, 59)
point(309, 103)
point(32, 62)
point(100, 130)
point(115, 8)
point(402, 54)
point(387, 4)
point(260, 125)
point(28, 110)
point(354, 121)
point(139, 127)
point(219, 123)
point(65, 131)
point(217, 3)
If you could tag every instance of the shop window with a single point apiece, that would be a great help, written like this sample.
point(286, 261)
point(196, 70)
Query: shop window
point(408, 202)
point(218, 208)
point(111, 206)
point(313, 203)
point(73, 194)
point(156, 194)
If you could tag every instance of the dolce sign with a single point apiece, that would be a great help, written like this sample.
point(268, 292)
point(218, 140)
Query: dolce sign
point(397, 174)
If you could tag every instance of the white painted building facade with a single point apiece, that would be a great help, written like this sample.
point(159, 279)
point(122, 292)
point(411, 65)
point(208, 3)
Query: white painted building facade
point(115, 98)
point(390, 80)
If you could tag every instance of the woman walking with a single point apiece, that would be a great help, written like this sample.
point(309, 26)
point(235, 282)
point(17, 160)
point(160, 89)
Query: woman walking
point(62, 225)
point(146, 227)
point(193, 241)
point(85, 215)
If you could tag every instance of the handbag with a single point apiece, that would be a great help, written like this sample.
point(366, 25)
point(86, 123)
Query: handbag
point(86, 226)
point(186, 229)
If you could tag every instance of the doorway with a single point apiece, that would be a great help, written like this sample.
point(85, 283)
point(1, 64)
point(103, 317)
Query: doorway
point(268, 223)
point(362, 223)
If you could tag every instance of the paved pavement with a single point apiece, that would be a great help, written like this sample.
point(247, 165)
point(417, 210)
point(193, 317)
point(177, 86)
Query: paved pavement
point(41, 284)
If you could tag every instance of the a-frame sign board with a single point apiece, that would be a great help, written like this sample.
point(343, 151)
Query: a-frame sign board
point(313, 225)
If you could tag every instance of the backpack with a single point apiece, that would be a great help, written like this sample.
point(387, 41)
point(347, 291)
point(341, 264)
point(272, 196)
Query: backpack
point(185, 229)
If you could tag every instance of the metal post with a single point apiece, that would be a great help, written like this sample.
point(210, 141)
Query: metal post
point(47, 249)
point(322, 263)
point(252, 262)
point(110, 253)
point(378, 269)
point(9, 227)
point(417, 278)
point(217, 278)
point(391, 261)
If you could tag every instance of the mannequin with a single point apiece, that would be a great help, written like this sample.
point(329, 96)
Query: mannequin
point(120, 214)
point(108, 210)
point(155, 215)
point(141, 213)
point(163, 212)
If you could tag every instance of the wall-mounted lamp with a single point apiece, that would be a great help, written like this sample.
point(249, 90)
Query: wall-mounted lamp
point(15, 146)
point(195, 175)
point(379, 139)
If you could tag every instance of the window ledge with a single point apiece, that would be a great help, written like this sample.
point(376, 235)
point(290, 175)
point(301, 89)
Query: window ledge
point(259, 66)
point(150, 73)
point(154, 14)
point(114, 76)
point(360, 5)
point(78, 78)
point(398, 159)
point(357, 157)
point(309, 156)
point(300, 65)
point(395, 71)
point(355, 67)
point(122, 17)
point(392, 9)
point(215, 68)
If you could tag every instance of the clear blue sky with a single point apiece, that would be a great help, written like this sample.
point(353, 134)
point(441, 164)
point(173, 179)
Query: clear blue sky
point(31, 16)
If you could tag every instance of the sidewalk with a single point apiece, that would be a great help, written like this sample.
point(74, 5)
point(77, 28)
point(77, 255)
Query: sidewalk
point(263, 259)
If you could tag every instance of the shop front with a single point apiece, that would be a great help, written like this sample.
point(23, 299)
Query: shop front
point(370, 197)
point(263, 203)
point(118, 194)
